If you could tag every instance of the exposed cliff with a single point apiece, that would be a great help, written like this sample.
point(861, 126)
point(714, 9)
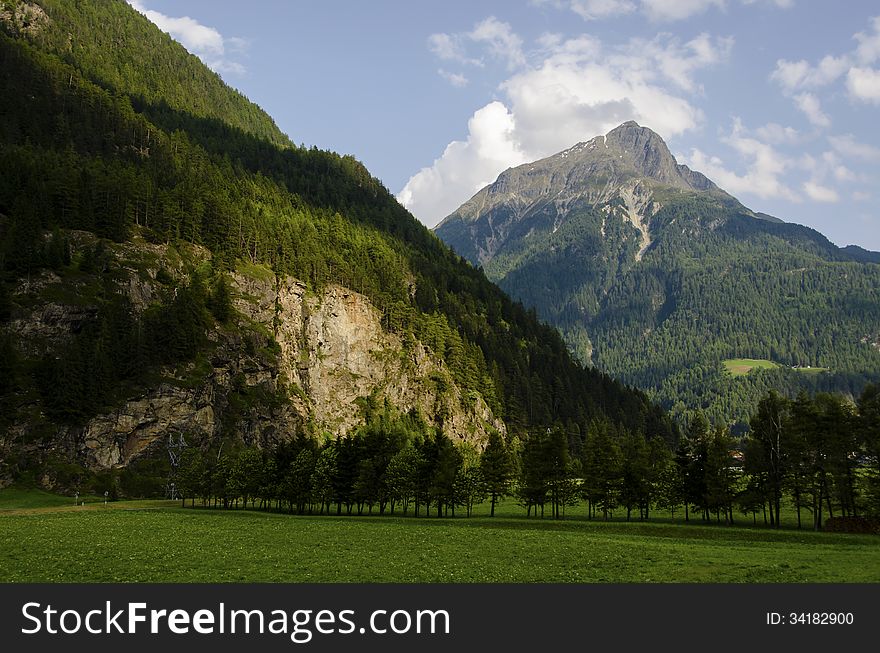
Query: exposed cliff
point(290, 361)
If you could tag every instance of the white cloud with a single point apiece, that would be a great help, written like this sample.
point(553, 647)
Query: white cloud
point(669, 10)
point(868, 50)
point(205, 42)
point(796, 75)
point(678, 63)
point(497, 37)
point(819, 193)
point(846, 145)
point(456, 79)
point(655, 10)
point(502, 42)
point(579, 89)
point(450, 47)
point(764, 167)
point(861, 196)
point(864, 84)
point(465, 166)
point(755, 181)
point(833, 166)
point(237, 44)
point(445, 47)
point(782, 4)
point(790, 74)
point(549, 41)
point(811, 107)
point(224, 66)
point(825, 168)
point(597, 9)
point(776, 134)
point(862, 80)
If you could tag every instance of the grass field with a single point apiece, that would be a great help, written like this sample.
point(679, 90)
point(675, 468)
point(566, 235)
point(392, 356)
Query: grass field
point(21, 499)
point(742, 366)
point(157, 541)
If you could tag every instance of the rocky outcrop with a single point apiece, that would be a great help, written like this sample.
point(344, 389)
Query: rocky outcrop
point(121, 436)
point(294, 361)
point(23, 18)
point(640, 207)
point(334, 351)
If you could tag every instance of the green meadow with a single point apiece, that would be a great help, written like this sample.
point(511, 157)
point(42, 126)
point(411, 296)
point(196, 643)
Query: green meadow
point(742, 366)
point(157, 541)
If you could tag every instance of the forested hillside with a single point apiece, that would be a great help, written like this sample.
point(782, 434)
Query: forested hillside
point(122, 153)
point(657, 277)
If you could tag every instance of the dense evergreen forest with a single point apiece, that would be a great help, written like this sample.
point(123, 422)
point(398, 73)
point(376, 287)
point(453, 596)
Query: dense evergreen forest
point(715, 284)
point(118, 132)
point(749, 289)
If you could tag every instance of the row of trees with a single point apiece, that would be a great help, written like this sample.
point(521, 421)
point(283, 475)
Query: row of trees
point(820, 452)
point(391, 464)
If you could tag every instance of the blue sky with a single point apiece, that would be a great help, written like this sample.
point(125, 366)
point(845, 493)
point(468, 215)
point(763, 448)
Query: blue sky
point(775, 100)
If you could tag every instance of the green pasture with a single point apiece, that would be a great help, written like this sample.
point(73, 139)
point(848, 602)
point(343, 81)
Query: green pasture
point(158, 541)
point(742, 366)
point(23, 499)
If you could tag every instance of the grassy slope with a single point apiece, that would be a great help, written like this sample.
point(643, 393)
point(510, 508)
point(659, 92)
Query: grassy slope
point(742, 366)
point(153, 542)
point(27, 499)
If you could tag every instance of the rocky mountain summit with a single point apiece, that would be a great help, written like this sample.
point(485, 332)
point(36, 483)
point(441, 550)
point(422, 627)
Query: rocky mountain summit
point(622, 171)
point(593, 170)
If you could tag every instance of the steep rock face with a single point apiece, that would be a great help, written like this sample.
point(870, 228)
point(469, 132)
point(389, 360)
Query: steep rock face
point(24, 18)
point(648, 155)
point(640, 208)
point(328, 353)
point(119, 437)
point(335, 351)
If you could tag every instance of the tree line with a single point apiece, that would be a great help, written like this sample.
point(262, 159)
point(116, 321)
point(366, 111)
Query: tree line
point(819, 454)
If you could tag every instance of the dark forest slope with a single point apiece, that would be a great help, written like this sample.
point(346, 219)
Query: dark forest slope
point(120, 133)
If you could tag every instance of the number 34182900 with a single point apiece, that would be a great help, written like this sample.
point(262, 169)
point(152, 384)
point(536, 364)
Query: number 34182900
point(810, 618)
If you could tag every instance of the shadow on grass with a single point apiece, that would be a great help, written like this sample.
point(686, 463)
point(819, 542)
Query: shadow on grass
point(664, 529)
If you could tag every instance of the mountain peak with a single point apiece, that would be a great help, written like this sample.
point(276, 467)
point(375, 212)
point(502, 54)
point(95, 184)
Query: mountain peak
point(631, 126)
point(650, 157)
point(632, 132)
point(596, 170)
